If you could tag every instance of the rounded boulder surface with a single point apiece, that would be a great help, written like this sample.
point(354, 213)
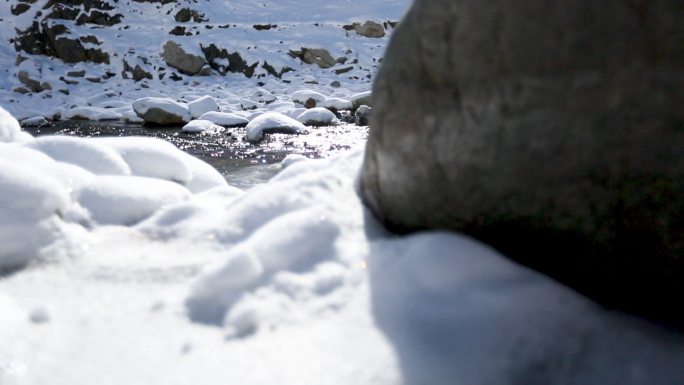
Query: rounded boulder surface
point(539, 129)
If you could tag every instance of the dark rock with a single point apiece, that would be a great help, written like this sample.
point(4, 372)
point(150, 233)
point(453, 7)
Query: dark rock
point(236, 64)
point(26, 79)
point(136, 72)
point(186, 63)
point(343, 70)
point(273, 71)
point(99, 18)
point(180, 31)
point(264, 27)
point(187, 14)
point(68, 81)
point(319, 56)
point(362, 115)
point(22, 90)
point(369, 29)
point(76, 74)
point(18, 9)
point(336, 84)
point(541, 130)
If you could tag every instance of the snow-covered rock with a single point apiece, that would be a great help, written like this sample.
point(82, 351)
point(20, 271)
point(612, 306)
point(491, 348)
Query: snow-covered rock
point(317, 116)
point(308, 98)
point(272, 122)
point(202, 125)
point(35, 121)
point(91, 113)
point(337, 103)
point(150, 157)
point(225, 119)
point(90, 155)
point(162, 111)
point(202, 105)
point(126, 200)
point(362, 98)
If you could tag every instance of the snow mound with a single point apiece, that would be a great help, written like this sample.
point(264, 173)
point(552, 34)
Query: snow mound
point(150, 157)
point(202, 105)
point(201, 125)
point(9, 127)
point(127, 200)
point(91, 113)
point(225, 119)
point(272, 122)
point(69, 175)
point(89, 155)
point(204, 176)
point(317, 116)
point(30, 209)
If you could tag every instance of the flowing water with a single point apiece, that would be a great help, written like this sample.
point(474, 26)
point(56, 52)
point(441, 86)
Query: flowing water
point(242, 164)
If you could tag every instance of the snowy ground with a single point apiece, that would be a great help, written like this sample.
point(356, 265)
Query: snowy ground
point(164, 274)
point(291, 282)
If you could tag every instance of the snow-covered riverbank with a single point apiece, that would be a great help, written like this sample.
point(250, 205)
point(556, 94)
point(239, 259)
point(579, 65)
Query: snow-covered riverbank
point(291, 282)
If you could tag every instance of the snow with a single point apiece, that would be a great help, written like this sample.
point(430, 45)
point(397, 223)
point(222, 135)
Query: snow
point(202, 105)
point(171, 276)
point(202, 125)
point(225, 119)
point(272, 122)
point(126, 200)
point(204, 177)
point(92, 114)
point(296, 275)
point(150, 157)
point(89, 155)
point(9, 127)
point(317, 116)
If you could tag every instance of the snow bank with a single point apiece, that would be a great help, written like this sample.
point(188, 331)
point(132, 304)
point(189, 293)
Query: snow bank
point(9, 127)
point(225, 119)
point(126, 200)
point(30, 210)
point(150, 157)
point(337, 103)
point(204, 176)
point(272, 122)
point(87, 154)
point(91, 113)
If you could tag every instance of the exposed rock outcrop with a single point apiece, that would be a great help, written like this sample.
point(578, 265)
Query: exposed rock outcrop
point(175, 56)
point(318, 56)
point(223, 61)
point(540, 129)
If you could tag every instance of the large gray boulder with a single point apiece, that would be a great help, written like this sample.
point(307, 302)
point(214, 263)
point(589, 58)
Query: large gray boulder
point(554, 131)
point(175, 56)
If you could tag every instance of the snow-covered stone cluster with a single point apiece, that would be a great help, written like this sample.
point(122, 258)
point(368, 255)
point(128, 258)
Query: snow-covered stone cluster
point(93, 60)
